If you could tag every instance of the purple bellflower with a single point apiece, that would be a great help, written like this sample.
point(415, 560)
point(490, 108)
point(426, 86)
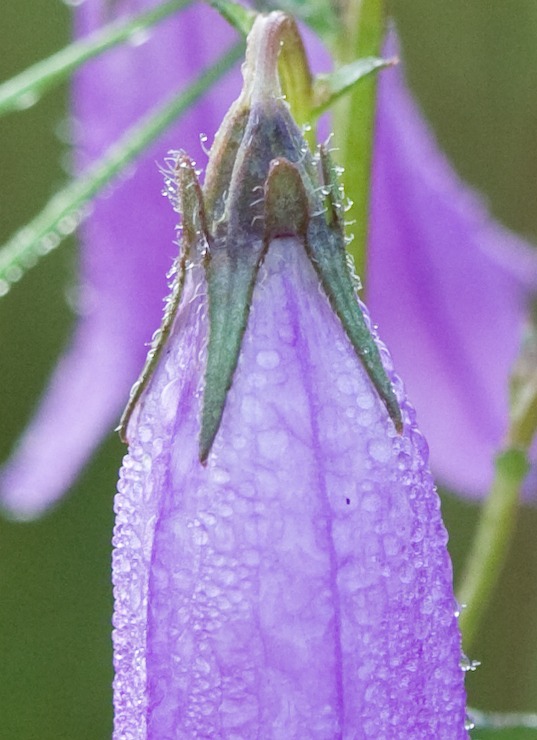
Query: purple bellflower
point(280, 563)
point(127, 250)
point(445, 284)
point(449, 288)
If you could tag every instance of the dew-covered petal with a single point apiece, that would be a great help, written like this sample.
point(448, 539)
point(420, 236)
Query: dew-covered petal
point(298, 585)
point(449, 289)
point(127, 245)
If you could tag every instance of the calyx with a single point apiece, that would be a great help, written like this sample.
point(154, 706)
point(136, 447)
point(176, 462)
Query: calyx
point(262, 182)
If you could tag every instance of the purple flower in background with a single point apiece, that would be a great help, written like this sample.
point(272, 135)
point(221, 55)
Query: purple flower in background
point(446, 285)
point(280, 566)
point(127, 249)
point(449, 289)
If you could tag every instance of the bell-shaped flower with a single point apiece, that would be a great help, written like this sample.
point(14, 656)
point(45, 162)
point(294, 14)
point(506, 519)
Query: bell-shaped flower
point(450, 290)
point(280, 565)
point(447, 286)
point(126, 250)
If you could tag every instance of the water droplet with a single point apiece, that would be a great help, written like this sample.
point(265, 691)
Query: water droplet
point(27, 100)
point(68, 224)
point(199, 536)
point(13, 273)
point(268, 359)
point(273, 443)
point(469, 665)
point(220, 476)
point(239, 442)
point(48, 243)
point(365, 400)
point(140, 37)
point(380, 450)
point(371, 503)
point(345, 384)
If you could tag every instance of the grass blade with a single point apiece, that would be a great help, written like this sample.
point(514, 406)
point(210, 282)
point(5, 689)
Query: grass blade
point(26, 88)
point(64, 211)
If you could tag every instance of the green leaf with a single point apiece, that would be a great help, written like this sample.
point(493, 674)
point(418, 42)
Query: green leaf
point(63, 212)
point(328, 88)
point(27, 87)
point(236, 15)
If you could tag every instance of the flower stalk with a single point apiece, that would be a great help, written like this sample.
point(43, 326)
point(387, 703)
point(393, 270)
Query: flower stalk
point(496, 526)
point(362, 27)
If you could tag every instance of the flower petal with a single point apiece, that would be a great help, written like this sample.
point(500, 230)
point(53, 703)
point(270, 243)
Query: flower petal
point(449, 289)
point(126, 245)
point(298, 585)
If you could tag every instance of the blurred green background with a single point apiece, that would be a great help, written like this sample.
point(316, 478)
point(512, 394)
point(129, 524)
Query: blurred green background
point(473, 66)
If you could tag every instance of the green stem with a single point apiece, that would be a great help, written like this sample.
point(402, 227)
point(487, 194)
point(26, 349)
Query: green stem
point(498, 515)
point(491, 541)
point(362, 30)
point(62, 213)
point(25, 88)
point(503, 720)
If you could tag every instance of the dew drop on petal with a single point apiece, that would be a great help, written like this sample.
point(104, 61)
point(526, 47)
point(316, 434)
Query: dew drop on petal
point(268, 359)
point(380, 450)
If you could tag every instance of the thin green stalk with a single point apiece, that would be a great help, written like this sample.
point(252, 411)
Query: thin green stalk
point(503, 720)
point(498, 516)
point(62, 213)
point(361, 34)
point(27, 87)
point(491, 541)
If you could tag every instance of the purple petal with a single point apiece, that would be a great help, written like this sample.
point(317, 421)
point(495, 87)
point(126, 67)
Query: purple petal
point(298, 585)
point(126, 245)
point(449, 289)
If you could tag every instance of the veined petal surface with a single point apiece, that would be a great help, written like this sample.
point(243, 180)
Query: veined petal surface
point(297, 585)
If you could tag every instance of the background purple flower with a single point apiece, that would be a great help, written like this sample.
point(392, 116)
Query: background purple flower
point(449, 288)
point(428, 245)
point(127, 243)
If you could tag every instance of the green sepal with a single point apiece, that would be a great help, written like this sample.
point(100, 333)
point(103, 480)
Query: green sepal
point(262, 183)
point(326, 245)
point(230, 284)
point(194, 242)
point(286, 202)
point(239, 242)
